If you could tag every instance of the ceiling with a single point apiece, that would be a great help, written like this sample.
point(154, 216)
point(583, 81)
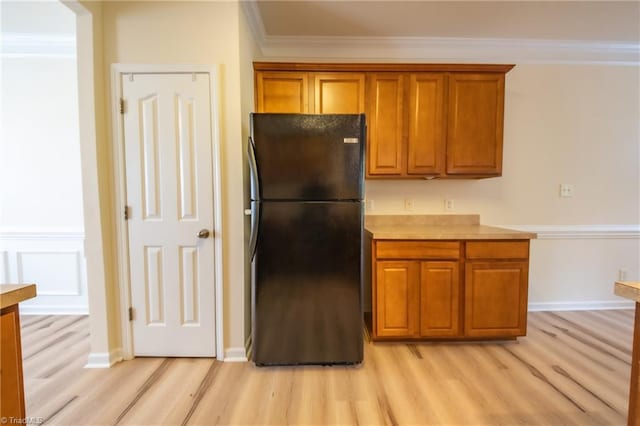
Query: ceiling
point(583, 21)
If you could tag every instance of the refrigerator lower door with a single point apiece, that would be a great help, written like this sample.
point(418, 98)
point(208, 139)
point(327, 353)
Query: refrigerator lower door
point(307, 284)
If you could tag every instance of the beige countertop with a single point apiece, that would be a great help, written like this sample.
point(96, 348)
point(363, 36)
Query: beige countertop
point(438, 227)
point(628, 290)
point(11, 294)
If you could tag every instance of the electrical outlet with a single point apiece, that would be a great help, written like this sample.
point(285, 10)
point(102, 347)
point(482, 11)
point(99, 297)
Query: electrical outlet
point(371, 206)
point(566, 190)
point(449, 205)
point(622, 274)
point(408, 204)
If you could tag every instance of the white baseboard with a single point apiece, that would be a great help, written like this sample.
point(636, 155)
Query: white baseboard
point(104, 359)
point(238, 354)
point(581, 306)
point(53, 310)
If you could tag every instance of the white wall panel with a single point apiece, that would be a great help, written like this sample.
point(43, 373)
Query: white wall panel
point(4, 267)
point(54, 261)
point(57, 273)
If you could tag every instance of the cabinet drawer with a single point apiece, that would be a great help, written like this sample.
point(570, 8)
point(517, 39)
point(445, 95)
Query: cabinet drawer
point(497, 250)
point(417, 249)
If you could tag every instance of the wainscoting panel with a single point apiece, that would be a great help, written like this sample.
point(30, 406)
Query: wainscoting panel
point(53, 260)
point(4, 266)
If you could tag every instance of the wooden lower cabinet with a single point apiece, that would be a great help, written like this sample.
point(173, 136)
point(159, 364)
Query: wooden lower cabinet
point(436, 292)
point(397, 298)
point(439, 299)
point(495, 299)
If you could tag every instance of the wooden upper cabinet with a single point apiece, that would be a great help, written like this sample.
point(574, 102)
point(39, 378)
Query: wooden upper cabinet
point(339, 93)
point(423, 120)
point(385, 119)
point(282, 92)
point(426, 140)
point(304, 92)
point(475, 124)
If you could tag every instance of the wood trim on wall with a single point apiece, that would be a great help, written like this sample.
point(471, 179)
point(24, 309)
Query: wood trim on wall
point(573, 232)
point(379, 67)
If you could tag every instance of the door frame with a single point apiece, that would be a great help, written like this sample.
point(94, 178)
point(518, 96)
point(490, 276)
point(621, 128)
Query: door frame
point(122, 238)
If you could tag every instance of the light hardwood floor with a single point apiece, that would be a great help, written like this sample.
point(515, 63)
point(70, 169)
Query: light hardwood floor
point(572, 369)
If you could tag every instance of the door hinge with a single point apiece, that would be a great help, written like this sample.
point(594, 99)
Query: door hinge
point(126, 212)
point(130, 313)
point(121, 106)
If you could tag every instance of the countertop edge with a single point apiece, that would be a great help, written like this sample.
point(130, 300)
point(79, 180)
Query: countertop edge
point(628, 289)
point(12, 294)
point(483, 232)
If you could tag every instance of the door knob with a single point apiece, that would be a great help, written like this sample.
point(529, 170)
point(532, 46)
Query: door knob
point(204, 233)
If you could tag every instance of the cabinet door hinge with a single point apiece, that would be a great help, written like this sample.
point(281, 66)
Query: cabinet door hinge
point(130, 313)
point(121, 106)
point(126, 212)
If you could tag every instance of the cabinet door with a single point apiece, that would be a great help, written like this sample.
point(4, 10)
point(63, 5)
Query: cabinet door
point(426, 141)
point(439, 299)
point(339, 93)
point(496, 299)
point(475, 121)
point(397, 298)
point(386, 124)
point(282, 92)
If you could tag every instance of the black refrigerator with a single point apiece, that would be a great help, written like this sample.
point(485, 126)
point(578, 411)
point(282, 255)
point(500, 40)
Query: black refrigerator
point(307, 183)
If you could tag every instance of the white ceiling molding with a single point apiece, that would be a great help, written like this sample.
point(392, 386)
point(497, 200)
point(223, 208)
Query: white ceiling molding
point(252, 13)
point(420, 49)
point(20, 45)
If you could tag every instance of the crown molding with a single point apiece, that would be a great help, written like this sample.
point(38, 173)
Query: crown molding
point(20, 45)
point(254, 19)
point(421, 49)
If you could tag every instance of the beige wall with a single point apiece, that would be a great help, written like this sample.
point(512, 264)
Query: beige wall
point(97, 186)
point(187, 33)
point(249, 51)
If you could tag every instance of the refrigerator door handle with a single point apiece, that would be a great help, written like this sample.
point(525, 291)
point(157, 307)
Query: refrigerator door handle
point(253, 170)
point(255, 196)
point(255, 221)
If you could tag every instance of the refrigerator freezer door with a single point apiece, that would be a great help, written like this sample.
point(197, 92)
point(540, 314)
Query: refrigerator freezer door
point(309, 157)
point(307, 288)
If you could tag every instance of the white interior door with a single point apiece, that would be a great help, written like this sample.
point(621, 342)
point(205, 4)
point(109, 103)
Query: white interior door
point(169, 187)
